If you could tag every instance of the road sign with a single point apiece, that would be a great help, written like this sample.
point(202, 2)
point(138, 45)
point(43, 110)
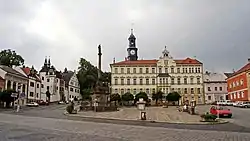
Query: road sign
point(14, 94)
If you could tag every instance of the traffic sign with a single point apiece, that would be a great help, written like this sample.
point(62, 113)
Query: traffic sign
point(14, 94)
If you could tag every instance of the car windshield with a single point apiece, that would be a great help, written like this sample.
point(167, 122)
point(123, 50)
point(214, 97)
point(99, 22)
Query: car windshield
point(222, 108)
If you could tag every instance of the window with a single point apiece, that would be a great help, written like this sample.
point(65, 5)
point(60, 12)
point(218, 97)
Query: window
point(37, 85)
point(141, 81)
point(238, 95)
point(172, 70)
point(172, 89)
point(147, 81)
point(32, 84)
point(183, 70)
point(153, 70)
point(128, 81)
point(116, 91)
point(160, 71)
point(178, 81)
point(179, 90)
point(185, 80)
point(147, 91)
point(160, 81)
point(134, 91)
point(241, 82)
point(208, 88)
point(128, 90)
point(192, 80)
point(198, 81)
point(122, 81)
point(163, 80)
point(134, 81)
point(75, 90)
point(128, 70)
point(122, 91)
point(199, 90)
point(242, 94)
point(134, 70)
point(220, 88)
point(122, 70)
point(140, 89)
point(215, 88)
point(71, 89)
point(209, 97)
point(31, 94)
point(237, 83)
point(166, 70)
point(185, 90)
point(172, 81)
point(192, 90)
point(153, 90)
point(192, 70)
point(116, 70)
point(153, 81)
point(41, 85)
point(47, 87)
point(56, 88)
point(199, 70)
point(147, 70)
point(37, 95)
point(47, 80)
point(178, 70)
point(140, 70)
point(189, 70)
point(42, 78)
point(116, 81)
point(186, 70)
point(196, 70)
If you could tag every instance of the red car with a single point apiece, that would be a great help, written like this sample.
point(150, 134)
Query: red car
point(41, 102)
point(221, 111)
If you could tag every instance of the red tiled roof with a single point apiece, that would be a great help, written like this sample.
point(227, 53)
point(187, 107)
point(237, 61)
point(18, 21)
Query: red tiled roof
point(153, 62)
point(27, 72)
point(243, 69)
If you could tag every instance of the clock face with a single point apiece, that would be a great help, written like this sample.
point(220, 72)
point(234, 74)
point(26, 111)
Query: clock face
point(132, 52)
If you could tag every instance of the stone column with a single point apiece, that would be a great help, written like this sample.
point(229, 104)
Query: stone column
point(99, 61)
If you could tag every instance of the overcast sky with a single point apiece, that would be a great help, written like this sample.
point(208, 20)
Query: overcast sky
point(217, 32)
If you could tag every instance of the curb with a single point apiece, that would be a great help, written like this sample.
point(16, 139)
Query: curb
point(142, 121)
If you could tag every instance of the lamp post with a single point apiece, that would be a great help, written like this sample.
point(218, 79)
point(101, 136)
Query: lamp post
point(19, 93)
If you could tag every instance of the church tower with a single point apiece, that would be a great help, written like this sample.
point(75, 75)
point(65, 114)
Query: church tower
point(132, 50)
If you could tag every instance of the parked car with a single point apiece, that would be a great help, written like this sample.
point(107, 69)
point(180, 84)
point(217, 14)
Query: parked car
point(42, 102)
point(32, 104)
point(229, 103)
point(237, 104)
point(60, 102)
point(244, 104)
point(221, 111)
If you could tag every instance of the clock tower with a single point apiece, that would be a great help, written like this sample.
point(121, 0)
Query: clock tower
point(132, 50)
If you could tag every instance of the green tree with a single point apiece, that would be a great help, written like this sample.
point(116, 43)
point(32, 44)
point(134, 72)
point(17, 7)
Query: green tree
point(127, 97)
point(157, 96)
point(115, 97)
point(141, 95)
point(10, 58)
point(86, 94)
point(174, 96)
point(5, 96)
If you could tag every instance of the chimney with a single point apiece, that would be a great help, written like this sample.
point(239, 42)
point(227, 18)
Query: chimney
point(113, 60)
point(126, 59)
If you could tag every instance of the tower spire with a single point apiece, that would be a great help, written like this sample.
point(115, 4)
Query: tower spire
point(45, 61)
point(49, 62)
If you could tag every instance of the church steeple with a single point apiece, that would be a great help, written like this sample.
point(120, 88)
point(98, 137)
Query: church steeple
point(132, 50)
point(49, 62)
point(45, 61)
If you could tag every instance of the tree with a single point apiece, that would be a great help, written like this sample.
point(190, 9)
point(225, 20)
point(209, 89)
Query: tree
point(10, 58)
point(141, 95)
point(86, 94)
point(115, 97)
point(174, 96)
point(157, 96)
point(127, 97)
point(5, 96)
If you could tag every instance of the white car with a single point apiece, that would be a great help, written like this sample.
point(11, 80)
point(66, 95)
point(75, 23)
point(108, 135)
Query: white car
point(32, 104)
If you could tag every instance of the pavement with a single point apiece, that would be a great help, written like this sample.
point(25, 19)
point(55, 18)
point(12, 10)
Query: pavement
point(26, 128)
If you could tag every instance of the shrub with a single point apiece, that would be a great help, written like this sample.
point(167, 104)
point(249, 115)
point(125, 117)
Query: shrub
point(70, 108)
point(208, 117)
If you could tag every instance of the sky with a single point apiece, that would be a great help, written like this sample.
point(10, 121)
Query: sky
point(216, 33)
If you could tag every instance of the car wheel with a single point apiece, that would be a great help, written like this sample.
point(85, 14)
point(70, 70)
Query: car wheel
point(230, 116)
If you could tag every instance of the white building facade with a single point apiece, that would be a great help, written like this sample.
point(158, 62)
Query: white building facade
point(165, 74)
point(51, 82)
point(16, 81)
point(215, 85)
point(72, 86)
point(34, 83)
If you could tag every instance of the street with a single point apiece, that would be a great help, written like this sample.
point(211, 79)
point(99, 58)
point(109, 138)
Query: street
point(240, 116)
point(24, 128)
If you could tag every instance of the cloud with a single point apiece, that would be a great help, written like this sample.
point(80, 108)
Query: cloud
point(217, 32)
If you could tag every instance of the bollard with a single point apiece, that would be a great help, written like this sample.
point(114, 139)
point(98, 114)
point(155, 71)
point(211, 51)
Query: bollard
point(18, 108)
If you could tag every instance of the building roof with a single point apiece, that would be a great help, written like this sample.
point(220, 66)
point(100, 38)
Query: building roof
point(243, 69)
point(228, 74)
point(11, 70)
point(1, 78)
point(67, 76)
point(27, 71)
point(210, 77)
point(154, 62)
